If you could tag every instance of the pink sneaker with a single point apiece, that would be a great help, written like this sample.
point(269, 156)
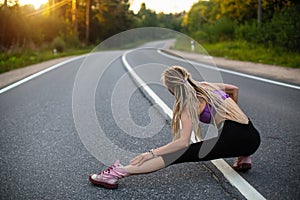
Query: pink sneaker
point(242, 164)
point(109, 177)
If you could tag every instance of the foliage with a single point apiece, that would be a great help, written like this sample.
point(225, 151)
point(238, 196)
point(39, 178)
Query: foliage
point(285, 29)
point(58, 44)
point(282, 31)
point(25, 27)
point(24, 57)
point(245, 51)
point(219, 20)
point(55, 25)
point(220, 30)
point(239, 10)
point(25, 31)
point(111, 16)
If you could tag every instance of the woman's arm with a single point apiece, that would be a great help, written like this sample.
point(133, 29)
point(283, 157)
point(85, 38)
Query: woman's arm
point(183, 141)
point(180, 143)
point(231, 90)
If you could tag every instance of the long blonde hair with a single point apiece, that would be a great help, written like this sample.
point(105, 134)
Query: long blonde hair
point(189, 93)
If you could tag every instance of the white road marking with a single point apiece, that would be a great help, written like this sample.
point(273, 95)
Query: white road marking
point(38, 74)
point(231, 72)
point(248, 191)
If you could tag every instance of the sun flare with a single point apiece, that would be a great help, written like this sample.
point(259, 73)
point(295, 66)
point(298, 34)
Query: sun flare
point(35, 3)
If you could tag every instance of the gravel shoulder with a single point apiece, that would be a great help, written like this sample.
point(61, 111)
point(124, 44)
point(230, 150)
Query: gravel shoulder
point(284, 74)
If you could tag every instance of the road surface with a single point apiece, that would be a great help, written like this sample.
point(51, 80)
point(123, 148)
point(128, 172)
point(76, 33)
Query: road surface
point(43, 157)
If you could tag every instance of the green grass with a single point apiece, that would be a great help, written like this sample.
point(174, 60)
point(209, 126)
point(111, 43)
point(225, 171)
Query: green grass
point(14, 60)
point(235, 50)
point(19, 58)
point(244, 51)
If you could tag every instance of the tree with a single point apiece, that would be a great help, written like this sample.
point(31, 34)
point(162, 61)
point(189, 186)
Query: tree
point(87, 21)
point(147, 16)
point(112, 16)
point(170, 21)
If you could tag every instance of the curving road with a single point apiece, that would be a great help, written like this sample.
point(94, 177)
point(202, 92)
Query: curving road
point(43, 156)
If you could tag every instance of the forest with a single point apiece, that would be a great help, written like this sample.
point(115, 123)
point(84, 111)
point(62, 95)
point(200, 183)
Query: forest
point(81, 24)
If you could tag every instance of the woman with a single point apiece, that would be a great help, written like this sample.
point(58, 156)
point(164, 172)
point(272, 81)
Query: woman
point(194, 102)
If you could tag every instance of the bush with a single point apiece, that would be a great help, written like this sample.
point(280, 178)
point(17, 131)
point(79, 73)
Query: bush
point(220, 30)
point(286, 29)
point(282, 31)
point(59, 44)
point(247, 31)
point(72, 41)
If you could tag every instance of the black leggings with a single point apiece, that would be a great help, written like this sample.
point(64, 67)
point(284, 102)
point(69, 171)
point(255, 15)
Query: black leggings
point(235, 140)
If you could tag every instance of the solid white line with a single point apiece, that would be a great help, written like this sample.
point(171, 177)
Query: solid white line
point(234, 178)
point(231, 72)
point(146, 88)
point(38, 74)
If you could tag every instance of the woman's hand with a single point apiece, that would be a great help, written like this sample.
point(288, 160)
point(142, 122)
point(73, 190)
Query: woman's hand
point(140, 159)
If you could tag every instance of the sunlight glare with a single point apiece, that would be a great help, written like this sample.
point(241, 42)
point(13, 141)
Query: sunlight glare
point(35, 3)
point(166, 6)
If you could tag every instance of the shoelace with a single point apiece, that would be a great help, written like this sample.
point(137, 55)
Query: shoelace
point(107, 170)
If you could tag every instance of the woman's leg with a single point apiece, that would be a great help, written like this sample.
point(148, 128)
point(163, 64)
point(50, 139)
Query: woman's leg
point(151, 165)
point(236, 140)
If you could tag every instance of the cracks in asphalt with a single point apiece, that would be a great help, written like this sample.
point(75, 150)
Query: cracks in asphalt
point(223, 184)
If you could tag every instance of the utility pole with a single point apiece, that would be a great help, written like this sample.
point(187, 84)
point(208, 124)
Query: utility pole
point(53, 12)
point(87, 21)
point(2, 33)
point(74, 17)
point(259, 12)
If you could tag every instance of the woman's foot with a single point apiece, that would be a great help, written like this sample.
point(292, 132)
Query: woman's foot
point(109, 177)
point(242, 164)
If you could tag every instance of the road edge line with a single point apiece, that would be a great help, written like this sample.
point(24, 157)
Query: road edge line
point(247, 190)
point(232, 72)
point(32, 76)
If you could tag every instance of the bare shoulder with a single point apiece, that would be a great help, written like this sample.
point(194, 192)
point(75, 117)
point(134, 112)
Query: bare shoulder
point(223, 86)
point(209, 85)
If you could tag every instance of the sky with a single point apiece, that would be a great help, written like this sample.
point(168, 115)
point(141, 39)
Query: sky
point(35, 3)
point(166, 6)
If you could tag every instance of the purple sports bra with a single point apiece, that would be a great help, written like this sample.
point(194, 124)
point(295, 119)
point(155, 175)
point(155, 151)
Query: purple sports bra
point(205, 116)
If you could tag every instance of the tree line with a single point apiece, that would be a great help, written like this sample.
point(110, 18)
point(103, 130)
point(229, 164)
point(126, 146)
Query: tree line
point(60, 23)
point(74, 22)
point(272, 23)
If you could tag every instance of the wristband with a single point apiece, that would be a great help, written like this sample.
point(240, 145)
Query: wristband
point(152, 153)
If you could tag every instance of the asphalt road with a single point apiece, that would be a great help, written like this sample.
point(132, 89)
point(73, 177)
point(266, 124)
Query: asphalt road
point(44, 156)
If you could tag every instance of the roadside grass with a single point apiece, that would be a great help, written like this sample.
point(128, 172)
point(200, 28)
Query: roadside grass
point(18, 59)
point(244, 51)
point(234, 50)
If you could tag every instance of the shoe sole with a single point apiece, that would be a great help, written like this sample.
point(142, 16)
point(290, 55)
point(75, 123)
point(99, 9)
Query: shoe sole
point(103, 184)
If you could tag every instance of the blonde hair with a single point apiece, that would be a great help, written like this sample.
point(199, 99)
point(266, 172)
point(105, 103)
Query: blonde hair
point(188, 93)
